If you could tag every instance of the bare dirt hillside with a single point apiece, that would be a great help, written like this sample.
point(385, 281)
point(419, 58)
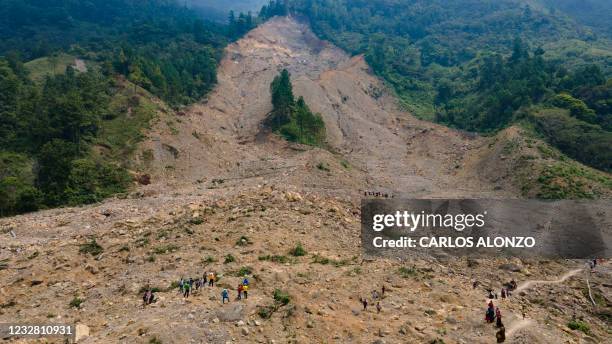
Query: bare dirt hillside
point(229, 197)
point(380, 147)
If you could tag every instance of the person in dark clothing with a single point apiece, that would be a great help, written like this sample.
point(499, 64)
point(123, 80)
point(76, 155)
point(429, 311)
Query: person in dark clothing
point(186, 289)
point(365, 304)
point(498, 316)
point(145, 297)
point(501, 335)
point(490, 314)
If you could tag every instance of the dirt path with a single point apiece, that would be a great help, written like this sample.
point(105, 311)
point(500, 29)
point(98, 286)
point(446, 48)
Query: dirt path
point(518, 325)
point(529, 284)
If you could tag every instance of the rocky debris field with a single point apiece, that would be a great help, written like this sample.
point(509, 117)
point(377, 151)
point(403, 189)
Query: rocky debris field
point(67, 278)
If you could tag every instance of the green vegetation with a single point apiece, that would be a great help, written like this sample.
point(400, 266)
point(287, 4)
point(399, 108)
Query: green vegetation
point(52, 65)
point(323, 167)
point(209, 259)
point(52, 126)
point(243, 241)
point(76, 302)
point(563, 180)
point(405, 272)
point(281, 298)
point(515, 62)
point(155, 340)
point(196, 220)
point(293, 119)
point(74, 78)
point(274, 258)
point(91, 247)
point(165, 249)
point(122, 128)
point(243, 271)
point(229, 259)
point(317, 259)
point(298, 251)
point(579, 325)
point(159, 45)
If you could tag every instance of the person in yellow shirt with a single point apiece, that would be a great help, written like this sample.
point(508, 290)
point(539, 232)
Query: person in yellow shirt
point(245, 291)
point(211, 279)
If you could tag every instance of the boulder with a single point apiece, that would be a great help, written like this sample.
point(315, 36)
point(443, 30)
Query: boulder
point(233, 312)
point(81, 332)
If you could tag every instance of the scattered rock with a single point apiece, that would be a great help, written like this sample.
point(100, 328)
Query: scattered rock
point(293, 196)
point(91, 269)
point(510, 267)
point(234, 312)
point(35, 282)
point(81, 332)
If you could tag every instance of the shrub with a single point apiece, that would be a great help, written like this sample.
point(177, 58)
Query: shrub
point(275, 258)
point(165, 249)
point(323, 167)
point(317, 259)
point(155, 340)
point(245, 270)
point(76, 302)
point(407, 272)
point(229, 259)
point(579, 325)
point(196, 220)
point(298, 251)
point(92, 248)
point(243, 241)
point(265, 311)
point(209, 259)
point(281, 297)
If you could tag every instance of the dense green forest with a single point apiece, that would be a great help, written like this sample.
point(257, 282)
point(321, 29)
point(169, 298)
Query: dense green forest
point(482, 65)
point(156, 44)
point(293, 119)
point(53, 115)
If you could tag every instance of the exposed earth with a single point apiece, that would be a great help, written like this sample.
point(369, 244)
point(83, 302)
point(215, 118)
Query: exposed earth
point(222, 185)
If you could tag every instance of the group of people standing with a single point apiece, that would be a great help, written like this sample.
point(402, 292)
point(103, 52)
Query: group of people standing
point(186, 285)
point(493, 314)
point(376, 297)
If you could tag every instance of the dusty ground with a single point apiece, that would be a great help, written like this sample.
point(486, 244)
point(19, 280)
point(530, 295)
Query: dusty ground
point(217, 177)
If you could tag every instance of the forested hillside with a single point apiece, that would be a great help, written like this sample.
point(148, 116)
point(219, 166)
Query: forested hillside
point(72, 75)
point(482, 65)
